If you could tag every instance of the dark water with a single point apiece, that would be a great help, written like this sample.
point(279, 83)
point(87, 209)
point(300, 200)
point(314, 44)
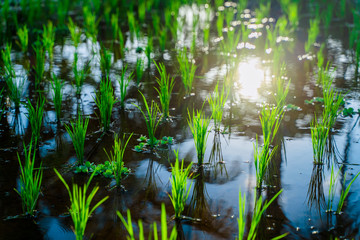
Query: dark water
point(299, 210)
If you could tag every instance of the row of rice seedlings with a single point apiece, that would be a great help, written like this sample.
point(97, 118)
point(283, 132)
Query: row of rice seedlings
point(123, 84)
point(179, 187)
point(187, 70)
point(35, 116)
point(80, 75)
point(77, 132)
point(48, 39)
point(30, 180)
point(140, 66)
point(116, 158)
point(199, 126)
point(165, 88)
point(344, 191)
point(75, 32)
point(80, 208)
point(313, 33)
point(105, 62)
point(151, 119)
point(217, 102)
point(164, 231)
point(90, 24)
point(105, 101)
point(319, 136)
point(39, 66)
point(23, 35)
point(57, 88)
point(259, 210)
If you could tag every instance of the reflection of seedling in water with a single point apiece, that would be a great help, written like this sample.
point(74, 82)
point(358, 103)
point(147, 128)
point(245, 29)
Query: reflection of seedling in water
point(199, 125)
point(30, 180)
point(77, 133)
point(164, 236)
point(57, 88)
point(80, 201)
point(179, 187)
point(187, 70)
point(35, 116)
point(23, 35)
point(124, 83)
point(164, 89)
point(217, 103)
point(75, 33)
point(48, 38)
point(105, 101)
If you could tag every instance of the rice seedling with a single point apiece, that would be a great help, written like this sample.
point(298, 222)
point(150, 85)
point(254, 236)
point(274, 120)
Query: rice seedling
point(80, 209)
point(156, 23)
point(179, 187)
point(79, 75)
point(241, 5)
point(30, 180)
point(23, 35)
point(217, 102)
point(39, 63)
point(105, 101)
point(165, 88)
point(57, 88)
point(263, 10)
point(75, 32)
point(15, 90)
point(320, 57)
point(48, 38)
point(282, 89)
point(270, 119)
point(342, 7)
point(90, 24)
point(328, 14)
point(220, 23)
point(162, 38)
point(7, 69)
point(313, 33)
point(199, 125)
point(345, 192)
point(262, 158)
point(105, 62)
point(187, 70)
point(319, 135)
point(151, 119)
point(35, 116)
point(149, 48)
point(115, 25)
point(140, 66)
point(62, 11)
point(229, 44)
point(133, 25)
point(116, 158)
point(77, 133)
point(124, 83)
point(142, 11)
point(164, 231)
point(121, 42)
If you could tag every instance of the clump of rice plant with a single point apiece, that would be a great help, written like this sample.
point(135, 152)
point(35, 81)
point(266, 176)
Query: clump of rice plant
point(15, 90)
point(30, 180)
point(57, 88)
point(164, 231)
point(105, 62)
point(149, 48)
point(48, 38)
point(105, 101)
point(7, 69)
point(124, 83)
point(165, 88)
point(80, 200)
point(217, 102)
point(199, 126)
point(121, 42)
point(229, 44)
point(313, 33)
point(77, 133)
point(319, 135)
point(187, 70)
point(116, 158)
point(282, 89)
point(90, 24)
point(270, 119)
point(35, 116)
point(220, 24)
point(179, 188)
point(140, 66)
point(151, 119)
point(133, 25)
point(115, 25)
point(75, 33)
point(39, 63)
point(162, 38)
point(79, 75)
point(23, 35)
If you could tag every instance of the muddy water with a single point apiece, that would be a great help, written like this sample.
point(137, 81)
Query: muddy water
point(229, 167)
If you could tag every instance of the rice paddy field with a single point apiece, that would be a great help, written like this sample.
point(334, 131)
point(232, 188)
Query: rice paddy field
point(182, 119)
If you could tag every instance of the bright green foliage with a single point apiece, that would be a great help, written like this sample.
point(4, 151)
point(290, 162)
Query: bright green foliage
point(220, 24)
point(139, 70)
point(79, 75)
point(80, 209)
point(165, 88)
point(48, 38)
point(270, 119)
point(105, 101)
point(142, 11)
point(242, 217)
point(23, 35)
point(320, 56)
point(121, 42)
point(217, 102)
point(345, 192)
point(105, 62)
point(229, 44)
point(151, 119)
point(35, 116)
point(263, 11)
point(179, 188)
point(77, 133)
point(313, 33)
point(149, 47)
point(75, 33)
point(116, 158)
point(187, 70)
point(124, 83)
point(319, 135)
point(39, 62)
point(162, 38)
point(133, 25)
point(30, 180)
point(199, 125)
point(57, 88)
point(332, 187)
point(7, 69)
point(90, 24)
point(115, 25)
point(282, 89)
point(164, 235)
